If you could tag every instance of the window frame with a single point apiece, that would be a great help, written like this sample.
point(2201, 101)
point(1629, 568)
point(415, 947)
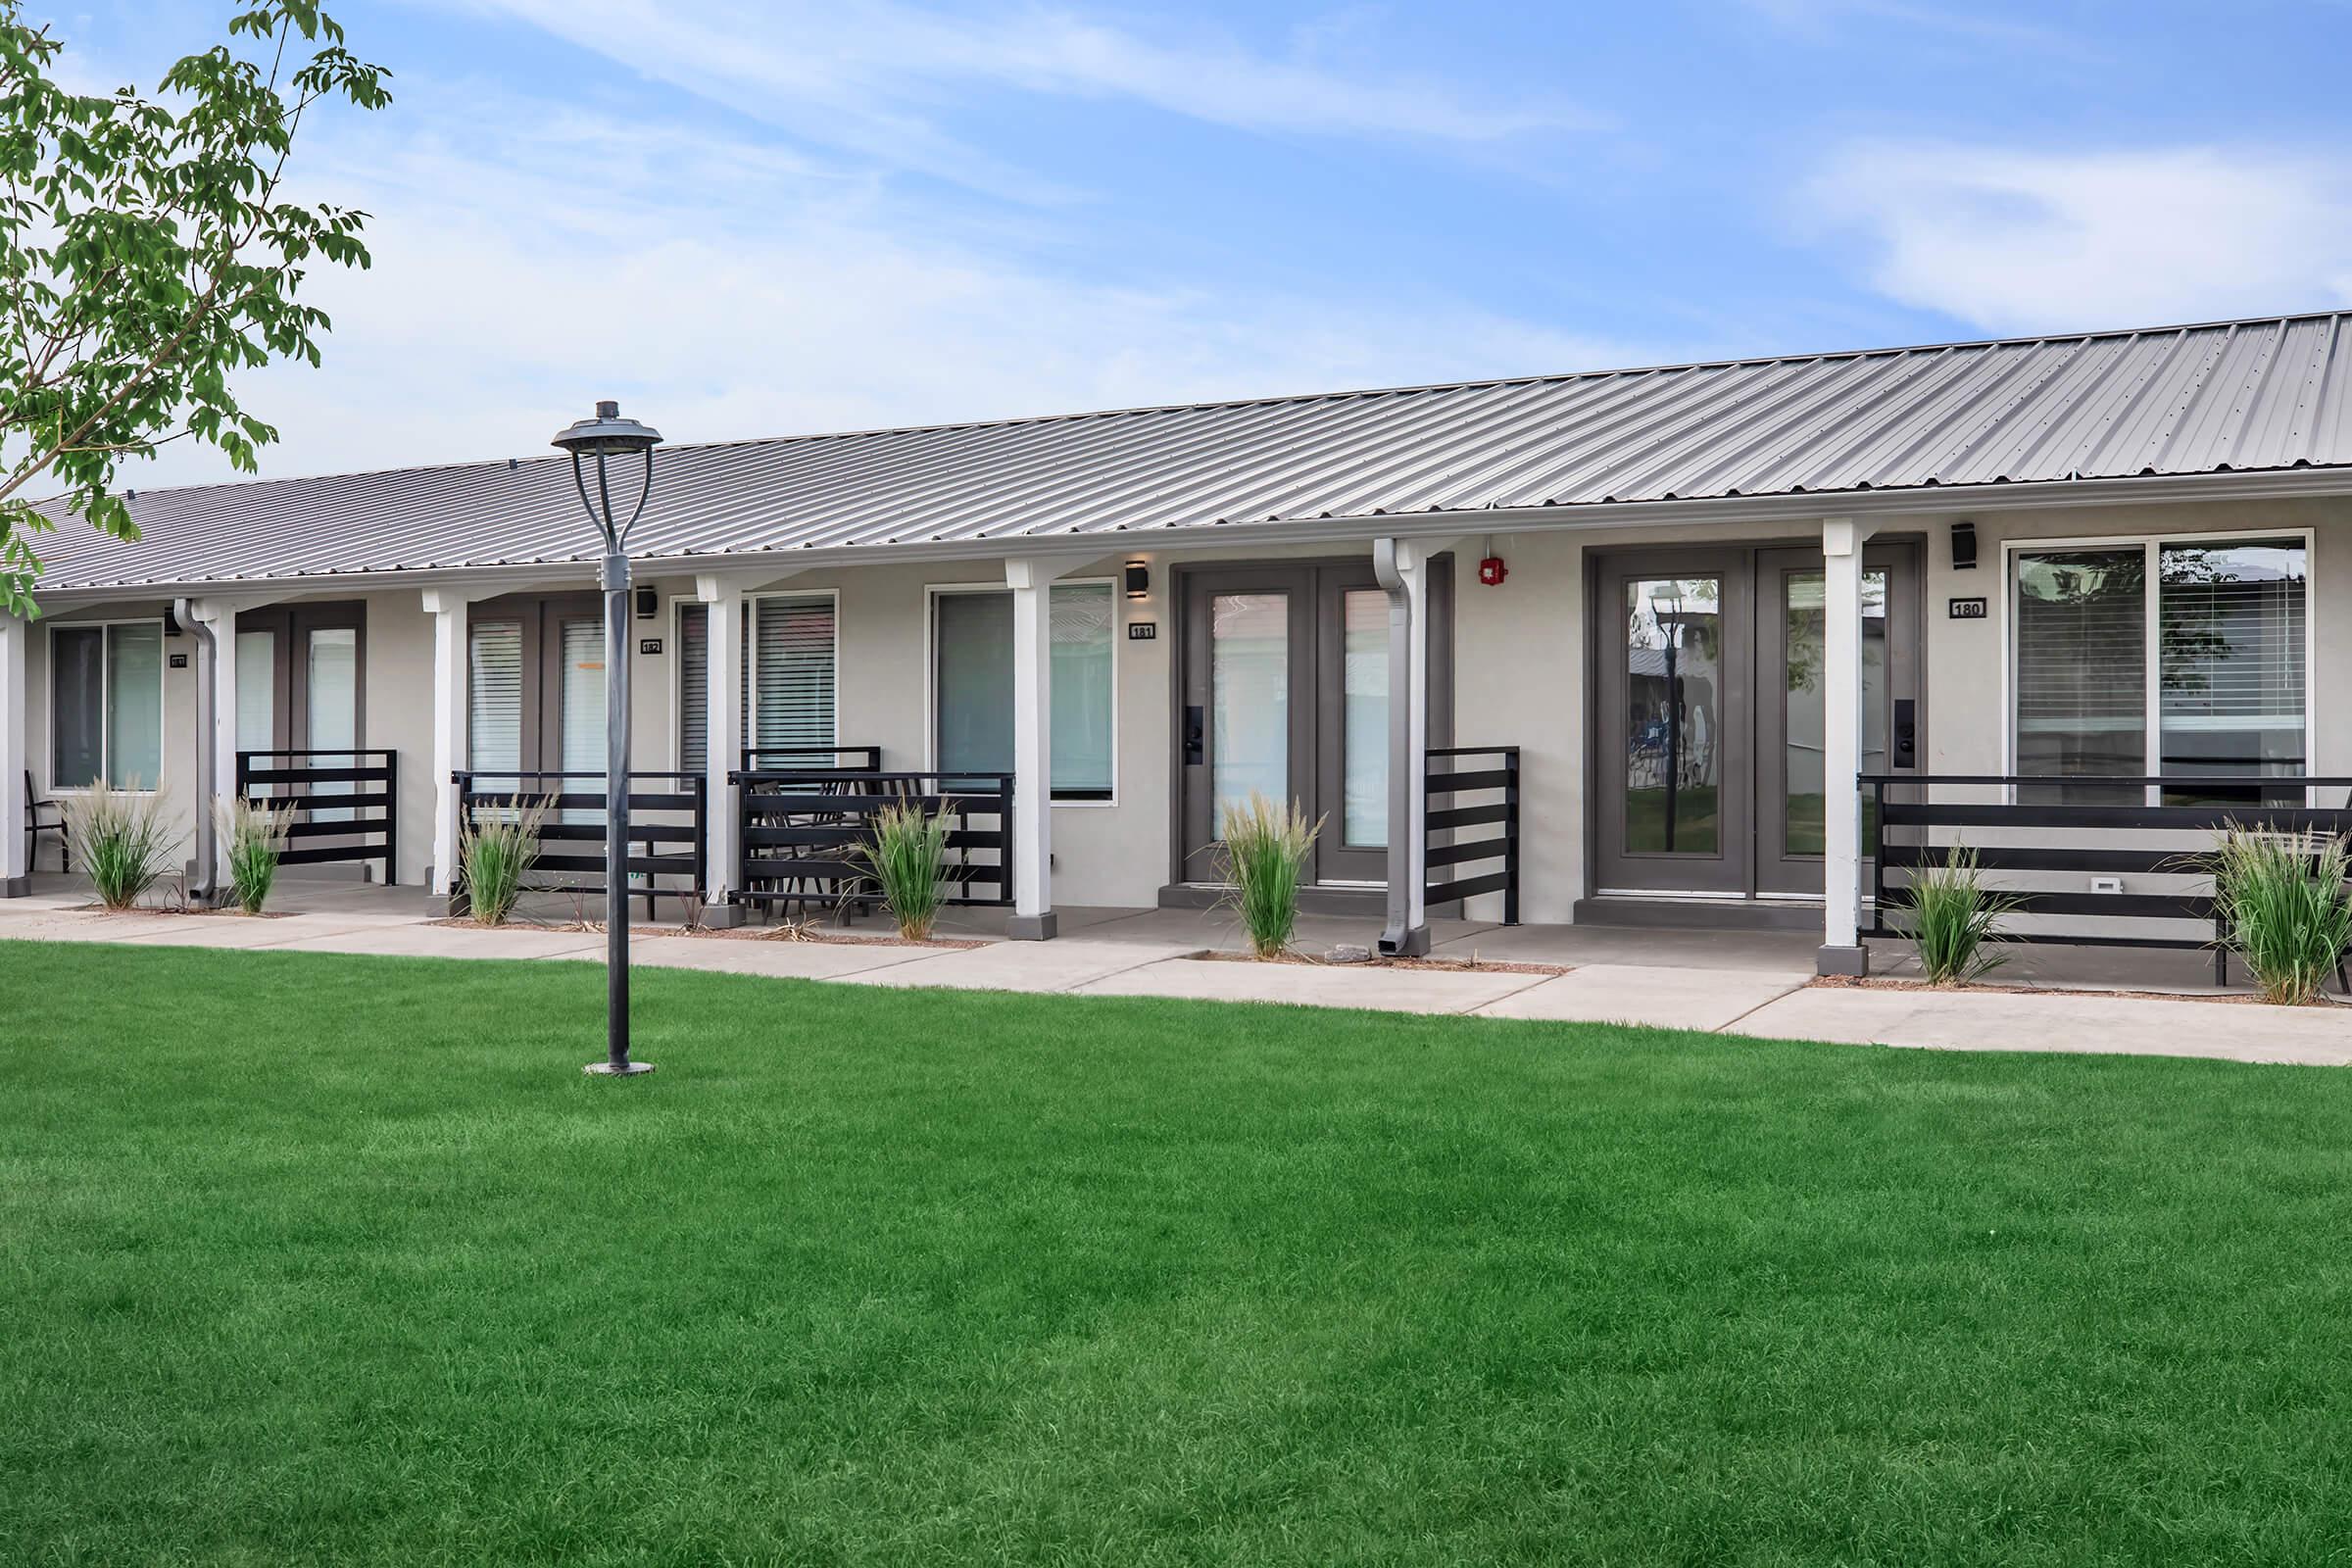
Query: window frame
point(2152, 611)
point(106, 697)
point(755, 603)
point(1090, 801)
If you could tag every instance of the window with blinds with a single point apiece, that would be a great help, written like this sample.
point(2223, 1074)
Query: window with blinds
point(107, 704)
point(494, 703)
point(2226, 678)
point(694, 686)
point(791, 673)
point(2231, 653)
point(2082, 666)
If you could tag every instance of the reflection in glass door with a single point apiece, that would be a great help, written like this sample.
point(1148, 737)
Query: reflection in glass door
point(1674, 715)
point(1249, 698)
point(580, 709)
point(331, 677)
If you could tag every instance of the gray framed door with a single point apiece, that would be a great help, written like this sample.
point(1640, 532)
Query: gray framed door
point(1790, 785)
point(1675, 655)
point(1284, 691)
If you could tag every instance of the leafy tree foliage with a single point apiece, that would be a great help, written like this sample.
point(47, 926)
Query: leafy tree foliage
point(147, 257)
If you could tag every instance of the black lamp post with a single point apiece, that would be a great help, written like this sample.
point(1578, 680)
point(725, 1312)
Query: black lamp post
point(603, 438)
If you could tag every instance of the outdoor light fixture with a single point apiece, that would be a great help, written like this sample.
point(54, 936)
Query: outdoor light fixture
point(1139, 580)
point(649, 603)
point(1963, 546)
point(604, 438)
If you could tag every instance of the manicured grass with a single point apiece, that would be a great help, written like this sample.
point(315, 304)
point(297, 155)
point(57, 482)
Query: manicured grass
point(316, 1260)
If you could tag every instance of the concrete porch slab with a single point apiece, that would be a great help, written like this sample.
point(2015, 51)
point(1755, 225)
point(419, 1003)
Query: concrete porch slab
point(1666, 999)
point(2121, 1026)
point(1059, 965)
point(1387, 990)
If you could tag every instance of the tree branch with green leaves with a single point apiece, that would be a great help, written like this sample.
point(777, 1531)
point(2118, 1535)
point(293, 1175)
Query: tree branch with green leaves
point(149, 257)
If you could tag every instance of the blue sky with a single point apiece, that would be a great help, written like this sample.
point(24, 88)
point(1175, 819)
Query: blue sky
point(840, 214)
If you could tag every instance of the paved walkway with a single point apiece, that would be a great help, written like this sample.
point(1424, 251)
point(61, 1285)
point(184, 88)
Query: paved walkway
point(1748, 985)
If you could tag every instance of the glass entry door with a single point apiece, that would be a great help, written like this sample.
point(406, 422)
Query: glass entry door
point(1712, 779)
point(1285, 674)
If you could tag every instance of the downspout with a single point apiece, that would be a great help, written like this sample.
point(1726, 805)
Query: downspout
point(1402, 574)
point(203, 883)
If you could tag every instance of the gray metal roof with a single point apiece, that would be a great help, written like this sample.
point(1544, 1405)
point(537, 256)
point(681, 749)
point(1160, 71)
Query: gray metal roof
point(2226, 397)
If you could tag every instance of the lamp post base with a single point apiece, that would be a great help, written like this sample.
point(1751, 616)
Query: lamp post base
point(627, 1069)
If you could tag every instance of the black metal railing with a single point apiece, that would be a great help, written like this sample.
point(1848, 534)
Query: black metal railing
point(346, 804)
point(667, 828)
point(2099, 832)
point(802, 830)
point(1491, 776)
point(822, 758)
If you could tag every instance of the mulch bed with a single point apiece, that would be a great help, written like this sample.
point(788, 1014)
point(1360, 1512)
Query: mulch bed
point(741, 933)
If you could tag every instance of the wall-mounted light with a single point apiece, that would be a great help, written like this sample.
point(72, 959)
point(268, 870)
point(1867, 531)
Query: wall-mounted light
point(1139, 580)
point(649, 603)
point(1963, 546)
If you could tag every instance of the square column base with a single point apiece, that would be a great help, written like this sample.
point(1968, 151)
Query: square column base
point(1414, 944)
point(1851, 964)
point(723, 916)
point(16, 887)
point(1032, 927)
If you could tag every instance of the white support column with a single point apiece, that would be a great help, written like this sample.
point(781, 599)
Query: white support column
point(1841, 949)
point(1031, 580)
point(722, 729)
point(16, 678)
point(1403, 566)
point(219, 618)
point(447, 607)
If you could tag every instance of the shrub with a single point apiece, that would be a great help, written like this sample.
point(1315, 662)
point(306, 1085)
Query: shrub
point(497, 854)
point(1951, 915)
point(908, 852)
point(255, 832)
point(1264, 848)
point(2281, 902)
point(120, 839)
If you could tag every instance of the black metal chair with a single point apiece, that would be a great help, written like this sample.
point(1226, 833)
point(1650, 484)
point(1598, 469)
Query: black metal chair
point(34, 827)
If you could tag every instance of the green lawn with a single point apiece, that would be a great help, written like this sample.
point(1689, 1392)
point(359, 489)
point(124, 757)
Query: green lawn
point(316, 1260)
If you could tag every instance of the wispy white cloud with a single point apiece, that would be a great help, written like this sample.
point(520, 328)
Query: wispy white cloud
point(2033, 240)
point(881, 79)
point(725, 290)
point(1972, 24)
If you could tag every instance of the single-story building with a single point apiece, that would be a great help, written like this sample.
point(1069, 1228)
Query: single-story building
point(1678, 644)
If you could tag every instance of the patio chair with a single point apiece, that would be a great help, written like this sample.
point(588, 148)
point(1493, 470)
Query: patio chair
point(34, 827)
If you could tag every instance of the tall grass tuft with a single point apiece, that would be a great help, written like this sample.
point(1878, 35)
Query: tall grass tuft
point(120, 838)
point(1264, 847)
point(497, 854)
point(2281, 901)
point(255, 832)
point(1951, 915)
point(908, 852)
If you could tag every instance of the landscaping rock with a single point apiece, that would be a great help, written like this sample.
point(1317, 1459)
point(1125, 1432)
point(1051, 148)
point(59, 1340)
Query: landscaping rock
point(1349, 952)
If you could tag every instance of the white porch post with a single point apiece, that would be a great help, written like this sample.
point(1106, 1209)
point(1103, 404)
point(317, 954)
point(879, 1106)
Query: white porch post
point(219, 618)
point(447, 607)
point(1403, 566)
point(15, 677)
point(723, 732)
point(1031, 580)
point(1841, 949)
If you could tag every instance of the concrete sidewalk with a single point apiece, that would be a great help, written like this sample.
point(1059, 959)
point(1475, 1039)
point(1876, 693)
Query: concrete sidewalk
point(1753, 989)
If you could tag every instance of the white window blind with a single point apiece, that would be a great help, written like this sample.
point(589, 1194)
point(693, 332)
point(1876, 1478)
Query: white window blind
point(694, 686)
point(257, 691)
point(494, 702)
point(135, 706)
point(2082, 663)
point(2233, 654)
point(792, 673)
point(582, 696)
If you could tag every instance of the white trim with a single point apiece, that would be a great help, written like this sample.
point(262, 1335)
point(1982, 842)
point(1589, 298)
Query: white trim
point(1118, 624)
point(750, 645)
point(106, 697)
point(2152, 737)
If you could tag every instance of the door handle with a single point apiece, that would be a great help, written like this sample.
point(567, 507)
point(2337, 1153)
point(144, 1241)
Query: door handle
point(1196, 734)
point(1906, 733)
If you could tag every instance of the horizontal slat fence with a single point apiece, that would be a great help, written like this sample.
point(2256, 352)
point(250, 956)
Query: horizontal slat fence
point(345, 804)
point(801, 828)
point(667, 827)
point(1490, 774)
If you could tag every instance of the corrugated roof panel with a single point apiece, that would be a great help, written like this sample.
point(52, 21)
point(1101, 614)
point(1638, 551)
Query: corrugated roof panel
point(2264, 394)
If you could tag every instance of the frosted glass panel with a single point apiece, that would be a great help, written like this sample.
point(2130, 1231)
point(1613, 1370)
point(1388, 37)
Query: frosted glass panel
point(1802, 767)
point(1083, 616)
point(1250, 696)
point(257, 691)
point(333, 676)
point(134, 717)
point(583, 709)
point(1364, 816)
